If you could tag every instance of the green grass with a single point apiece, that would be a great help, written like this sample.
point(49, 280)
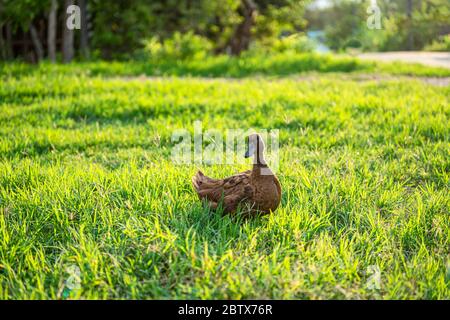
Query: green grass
point(86, 180)
point(224, 66)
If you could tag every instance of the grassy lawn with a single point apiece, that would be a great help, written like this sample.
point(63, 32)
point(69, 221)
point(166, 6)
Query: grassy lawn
point(276, 65)
point(86, 180)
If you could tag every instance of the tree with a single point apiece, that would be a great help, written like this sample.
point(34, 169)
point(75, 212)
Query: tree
point(68, 36)
point(241, 38)
point(409, 12)
point(8, 42)
point(20, 14)
point(406, 24)
point(266, 20)
point(84, 35)
point(51, 31)
point(230, 24)
point(36, 42)
point(3, 45)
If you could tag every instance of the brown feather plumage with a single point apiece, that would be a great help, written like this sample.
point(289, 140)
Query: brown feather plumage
point(250, 191)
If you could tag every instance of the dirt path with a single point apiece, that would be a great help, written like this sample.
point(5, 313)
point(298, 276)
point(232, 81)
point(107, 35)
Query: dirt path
point(437, 59)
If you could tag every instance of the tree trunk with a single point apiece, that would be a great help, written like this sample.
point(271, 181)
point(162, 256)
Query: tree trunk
point(36, 43)
point(8, 43)
point(409, 10)
point(2, 44)
point(51, 32)
point(84, 36)
point(240, 40)
point(68, 35)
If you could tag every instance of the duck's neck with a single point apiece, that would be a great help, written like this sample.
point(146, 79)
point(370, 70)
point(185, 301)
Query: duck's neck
point(259, 164)
point(258, 158)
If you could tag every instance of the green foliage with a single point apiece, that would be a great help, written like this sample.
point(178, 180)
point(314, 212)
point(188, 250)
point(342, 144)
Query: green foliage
point(120, 28)
point(346, 21)
point(178, 47)
point(440, 44)
point(21, 13)
point(277, 18)
point(86, 181)
point(384, 40)
point(294, 43)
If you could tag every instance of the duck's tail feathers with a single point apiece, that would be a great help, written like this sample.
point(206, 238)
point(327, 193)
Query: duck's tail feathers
point(198, 180)
point(204, 185)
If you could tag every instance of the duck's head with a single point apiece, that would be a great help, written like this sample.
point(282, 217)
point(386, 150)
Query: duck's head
point(255, 146)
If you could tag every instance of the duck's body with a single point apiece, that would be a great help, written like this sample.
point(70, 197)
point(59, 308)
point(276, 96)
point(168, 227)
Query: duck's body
point(253, 191)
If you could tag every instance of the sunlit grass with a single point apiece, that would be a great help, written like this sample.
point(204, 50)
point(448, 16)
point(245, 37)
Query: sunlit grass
point(276, 65)
point(86, 179)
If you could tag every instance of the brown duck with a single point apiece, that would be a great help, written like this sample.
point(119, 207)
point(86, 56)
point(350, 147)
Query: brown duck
point(253, 191)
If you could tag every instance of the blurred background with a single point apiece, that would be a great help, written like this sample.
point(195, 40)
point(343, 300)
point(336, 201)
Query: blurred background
point(35, 30)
